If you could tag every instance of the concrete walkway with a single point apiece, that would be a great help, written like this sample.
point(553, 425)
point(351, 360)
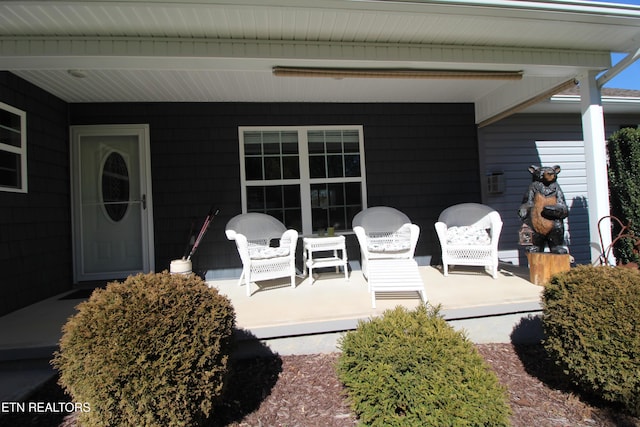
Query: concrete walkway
point(308, 319)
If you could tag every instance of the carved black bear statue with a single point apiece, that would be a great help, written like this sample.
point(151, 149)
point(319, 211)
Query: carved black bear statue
point(543, 209)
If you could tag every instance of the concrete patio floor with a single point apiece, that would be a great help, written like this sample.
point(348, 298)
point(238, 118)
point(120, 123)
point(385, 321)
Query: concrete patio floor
point(308, 319)
point(328, 303)
point(312, 317)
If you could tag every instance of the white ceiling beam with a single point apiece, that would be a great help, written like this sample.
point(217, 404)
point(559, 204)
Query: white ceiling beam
point(620, 66)
point(20, 53)
point(513, 95)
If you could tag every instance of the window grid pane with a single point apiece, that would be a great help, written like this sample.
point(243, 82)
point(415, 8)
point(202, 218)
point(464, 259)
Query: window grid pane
point(334, 153)
point(280, 201)
point(13, 174)
point(334, 167)
point(271, 155)
point(10, 128)
point(335, 204)
point(10, 170)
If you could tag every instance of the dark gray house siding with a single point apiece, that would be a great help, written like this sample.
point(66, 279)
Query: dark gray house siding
point(420, 158)
point(514, 143)
point(35, 227)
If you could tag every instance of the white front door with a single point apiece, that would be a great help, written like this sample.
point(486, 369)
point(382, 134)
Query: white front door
point(112, 210)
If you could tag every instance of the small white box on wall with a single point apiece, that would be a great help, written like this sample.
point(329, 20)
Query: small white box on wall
point(495, 183)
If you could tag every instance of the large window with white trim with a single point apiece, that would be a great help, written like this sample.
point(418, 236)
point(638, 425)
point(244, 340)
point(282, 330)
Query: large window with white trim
point(13, 149)
point(309, 177)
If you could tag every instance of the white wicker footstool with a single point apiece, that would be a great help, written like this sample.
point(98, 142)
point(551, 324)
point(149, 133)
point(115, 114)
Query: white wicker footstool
point(394, 275)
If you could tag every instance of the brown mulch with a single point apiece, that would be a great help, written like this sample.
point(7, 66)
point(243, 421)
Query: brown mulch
point(540, 395)
point(304, 391)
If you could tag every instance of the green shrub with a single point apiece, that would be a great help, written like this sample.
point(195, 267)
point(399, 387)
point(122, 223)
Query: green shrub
point(410, 368)
point(591, 318)
point(151, 351)
point(624, 188)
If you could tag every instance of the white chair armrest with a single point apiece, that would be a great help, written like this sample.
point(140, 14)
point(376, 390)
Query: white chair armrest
point(441, 231)
point(496, 228)
point(415, 235)
point(289, 239)
point(362, 238)
point(243, 246)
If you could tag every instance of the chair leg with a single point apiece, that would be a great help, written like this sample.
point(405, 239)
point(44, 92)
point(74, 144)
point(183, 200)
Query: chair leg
point(292, 266)
point(445, 269)
point(241, 277)
point(363, 265)
point(424, 297)
point(247, 279)
point(304, 262)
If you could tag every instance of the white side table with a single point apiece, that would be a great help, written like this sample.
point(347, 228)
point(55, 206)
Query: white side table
point(332, 245)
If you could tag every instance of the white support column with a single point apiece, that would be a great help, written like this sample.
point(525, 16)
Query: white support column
point(596, 164)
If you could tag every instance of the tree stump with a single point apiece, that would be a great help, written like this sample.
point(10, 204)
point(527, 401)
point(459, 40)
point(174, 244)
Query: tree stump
point(543, 265)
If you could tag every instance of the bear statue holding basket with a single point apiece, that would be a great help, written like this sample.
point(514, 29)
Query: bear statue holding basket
point(543, 211)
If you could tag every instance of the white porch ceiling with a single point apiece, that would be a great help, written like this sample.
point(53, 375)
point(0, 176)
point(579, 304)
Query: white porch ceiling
point(224, 51)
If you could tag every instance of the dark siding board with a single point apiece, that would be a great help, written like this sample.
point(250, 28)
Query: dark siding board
point(195, 163)
point(509, 146)
point(35, 228)
point(411, 153)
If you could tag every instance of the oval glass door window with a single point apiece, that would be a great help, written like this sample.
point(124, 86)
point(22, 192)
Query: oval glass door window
point(115, 186)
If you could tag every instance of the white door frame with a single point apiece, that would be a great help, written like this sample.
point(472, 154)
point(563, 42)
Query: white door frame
point(141, 131)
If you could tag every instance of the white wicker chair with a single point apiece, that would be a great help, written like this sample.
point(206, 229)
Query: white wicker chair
point(469, 234)
point(384, 233)
point(253, 233)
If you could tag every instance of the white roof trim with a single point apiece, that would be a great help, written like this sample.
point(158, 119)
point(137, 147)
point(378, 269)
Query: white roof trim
point(224, 50)
point(571, 104)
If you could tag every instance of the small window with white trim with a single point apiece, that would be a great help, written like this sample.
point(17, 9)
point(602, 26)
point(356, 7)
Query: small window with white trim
point(13, 149)
point(310, 177)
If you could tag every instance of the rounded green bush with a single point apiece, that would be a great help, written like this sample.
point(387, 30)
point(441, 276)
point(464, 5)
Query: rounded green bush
point(591, 318)
point(151, 351)
point(624, 189)
point(410, 368)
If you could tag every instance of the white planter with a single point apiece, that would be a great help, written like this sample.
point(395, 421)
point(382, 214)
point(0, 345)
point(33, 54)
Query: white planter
point(180, 266)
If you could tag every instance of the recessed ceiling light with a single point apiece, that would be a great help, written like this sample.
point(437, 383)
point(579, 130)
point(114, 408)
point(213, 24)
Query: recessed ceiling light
point(80, 74)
